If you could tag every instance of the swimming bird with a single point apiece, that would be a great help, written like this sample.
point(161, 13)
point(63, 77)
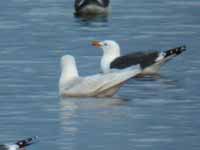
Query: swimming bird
point(91, 7)
point(150, 61)
point(19, 144)
point(99, 85)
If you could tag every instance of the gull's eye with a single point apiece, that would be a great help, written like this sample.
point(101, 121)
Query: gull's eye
point(105, 44)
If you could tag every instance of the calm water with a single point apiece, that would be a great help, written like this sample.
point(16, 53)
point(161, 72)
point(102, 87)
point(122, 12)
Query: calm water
point(146, 115)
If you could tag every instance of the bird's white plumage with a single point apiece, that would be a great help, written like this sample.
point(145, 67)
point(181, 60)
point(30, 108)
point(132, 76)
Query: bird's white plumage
point(100, 85)
point(12, 147)
point(100, 1)
point(111, 50)
point(81, 2)
point(160, 57)
point(69, 70)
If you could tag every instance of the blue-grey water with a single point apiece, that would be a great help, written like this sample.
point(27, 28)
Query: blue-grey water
point(152, 114)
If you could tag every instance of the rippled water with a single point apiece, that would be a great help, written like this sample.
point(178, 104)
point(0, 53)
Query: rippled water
point(161, 113)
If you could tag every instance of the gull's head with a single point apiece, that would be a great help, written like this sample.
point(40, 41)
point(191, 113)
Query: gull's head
point(111, 51)
point(67, 60)
point(68, 68)
point(108, 46)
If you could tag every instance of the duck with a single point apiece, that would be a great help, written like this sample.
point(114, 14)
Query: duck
point(91, 7)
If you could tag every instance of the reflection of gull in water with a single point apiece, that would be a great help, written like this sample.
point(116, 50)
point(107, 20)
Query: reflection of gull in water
point(70, 106)
point(162, 79)
point(71, 112)
point(100, 85)
point(92, 103)
point(68, 111)
point(68, 121)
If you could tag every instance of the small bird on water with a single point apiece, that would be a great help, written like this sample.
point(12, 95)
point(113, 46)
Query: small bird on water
point(19, 145)
point(91, 7)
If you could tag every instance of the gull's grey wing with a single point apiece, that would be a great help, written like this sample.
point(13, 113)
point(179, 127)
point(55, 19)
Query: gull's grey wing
point(96, 84)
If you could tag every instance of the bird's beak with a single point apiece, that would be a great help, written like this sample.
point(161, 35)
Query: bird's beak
point(96, 44)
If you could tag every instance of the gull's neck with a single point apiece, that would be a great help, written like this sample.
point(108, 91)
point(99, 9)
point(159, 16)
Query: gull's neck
point(68, 73)
point(109, 56)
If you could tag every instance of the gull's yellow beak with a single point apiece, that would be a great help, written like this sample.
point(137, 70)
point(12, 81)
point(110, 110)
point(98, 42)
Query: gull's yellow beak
point(96, 44)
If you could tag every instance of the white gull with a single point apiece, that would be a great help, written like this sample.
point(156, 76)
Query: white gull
point(99, 85)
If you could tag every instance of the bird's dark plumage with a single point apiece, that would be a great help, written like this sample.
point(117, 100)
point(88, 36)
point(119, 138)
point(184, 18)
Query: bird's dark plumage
point(79, 5)
point(145, 59)
point(19, 144)
point(175, 51)
point(26, 142)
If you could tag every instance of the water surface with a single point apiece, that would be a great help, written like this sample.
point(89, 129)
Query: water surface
point(161, 113)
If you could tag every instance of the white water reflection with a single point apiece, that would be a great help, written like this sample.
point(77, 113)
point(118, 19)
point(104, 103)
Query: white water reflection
point(90, 103)
point(73, 108)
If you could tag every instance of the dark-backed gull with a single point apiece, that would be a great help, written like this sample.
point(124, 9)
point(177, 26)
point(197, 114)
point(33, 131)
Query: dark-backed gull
point(150, 61)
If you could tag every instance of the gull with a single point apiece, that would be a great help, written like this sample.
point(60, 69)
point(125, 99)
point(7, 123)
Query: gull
point(98, 85)
point(150, 61)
